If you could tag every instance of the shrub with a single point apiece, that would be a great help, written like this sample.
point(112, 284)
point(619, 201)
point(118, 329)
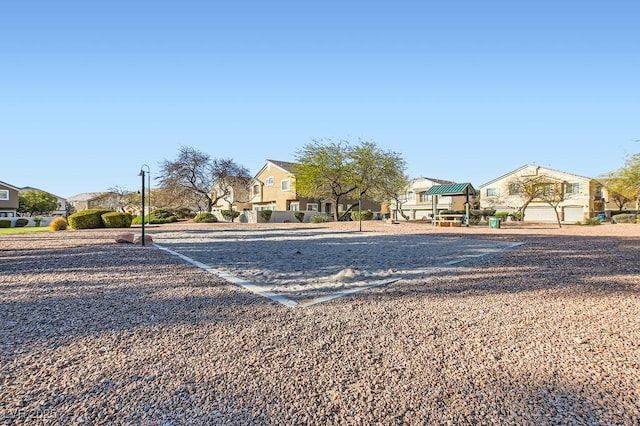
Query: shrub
point(161, 214)
point(320, 218)
point(591, 221)
point(58, 224)
point(517, 216)
point(501, 215)
point(299, 216)
point(205, 217)
point(117, 220)
point(5, 223)
point(363, 214)
point(265, 215)
point(154, 220)
point(185, 213)
point(344, 216)
point(623, 218)
point(37, 220)
point(21, 222)
point(230, 214)
point(87, 219)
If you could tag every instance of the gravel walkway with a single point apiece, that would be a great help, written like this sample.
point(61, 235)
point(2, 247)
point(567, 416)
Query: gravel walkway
point(94, 332)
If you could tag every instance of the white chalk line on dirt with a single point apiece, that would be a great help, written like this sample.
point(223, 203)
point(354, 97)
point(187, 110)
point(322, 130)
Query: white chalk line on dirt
point(292, 303)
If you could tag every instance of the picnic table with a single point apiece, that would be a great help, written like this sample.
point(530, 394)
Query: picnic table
point(448, 220)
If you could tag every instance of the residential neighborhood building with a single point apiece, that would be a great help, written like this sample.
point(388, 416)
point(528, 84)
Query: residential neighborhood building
point(8, 200)
point(416, 204)
point(88, 200)
point(583, 196)
point(237, 195)
point(273, 188)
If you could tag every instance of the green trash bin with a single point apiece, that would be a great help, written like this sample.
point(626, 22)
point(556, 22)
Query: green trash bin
point(494, 222)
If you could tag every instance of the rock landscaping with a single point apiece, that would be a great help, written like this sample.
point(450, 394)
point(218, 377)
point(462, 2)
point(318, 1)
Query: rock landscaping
point(96, 332)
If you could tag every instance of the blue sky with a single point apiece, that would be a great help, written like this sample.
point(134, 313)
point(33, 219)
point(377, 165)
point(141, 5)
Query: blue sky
point(465, 91)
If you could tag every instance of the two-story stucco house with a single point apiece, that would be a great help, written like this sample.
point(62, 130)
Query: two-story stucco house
point(8, 200)
point(582, 195)
point(416, 204)
point(273, 188)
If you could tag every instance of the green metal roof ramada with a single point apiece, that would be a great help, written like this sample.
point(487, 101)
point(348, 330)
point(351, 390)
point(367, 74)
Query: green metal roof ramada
point(453, 189)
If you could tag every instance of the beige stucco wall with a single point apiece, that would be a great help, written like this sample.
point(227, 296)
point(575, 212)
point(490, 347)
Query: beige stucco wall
point(503, 201)
point(272, 194)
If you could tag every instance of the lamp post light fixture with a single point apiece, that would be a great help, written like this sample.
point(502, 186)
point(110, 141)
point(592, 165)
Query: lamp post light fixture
point(143, 173)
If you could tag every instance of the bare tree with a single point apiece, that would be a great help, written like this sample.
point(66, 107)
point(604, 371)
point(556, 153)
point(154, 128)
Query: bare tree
point(196, 172)
point(119, 199)
point(553, 193)
point(522, 190)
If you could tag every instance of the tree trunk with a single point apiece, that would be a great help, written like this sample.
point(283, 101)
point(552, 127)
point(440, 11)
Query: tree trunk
point(555, 209)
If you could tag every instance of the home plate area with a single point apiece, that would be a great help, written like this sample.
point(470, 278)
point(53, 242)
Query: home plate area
point(303, 267)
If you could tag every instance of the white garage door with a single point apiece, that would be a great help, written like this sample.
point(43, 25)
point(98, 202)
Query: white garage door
point(540, 214)
point(574, 214)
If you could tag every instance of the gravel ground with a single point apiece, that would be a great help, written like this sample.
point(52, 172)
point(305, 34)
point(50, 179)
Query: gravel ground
point(94, 332)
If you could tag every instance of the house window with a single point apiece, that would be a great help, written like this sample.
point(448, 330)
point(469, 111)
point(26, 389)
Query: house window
point(572, 188)
point(4, 194)
point(269, 181)
point(424, 198)
point(285, 185)
point(514, 189)
point(492, 192)
point(294, 207)
point(256, 189)
point(411, 196)
point(312, 207)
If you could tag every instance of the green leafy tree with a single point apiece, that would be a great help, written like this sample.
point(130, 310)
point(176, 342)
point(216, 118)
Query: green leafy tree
point(324, 171)
point(630, 177)
point(196, 172)
point(378, 174)
point(335, 170)
point(37, 203)
point(618, 191)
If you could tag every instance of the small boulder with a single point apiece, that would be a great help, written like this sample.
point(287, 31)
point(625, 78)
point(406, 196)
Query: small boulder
point(127, 237)
point(346, 274)
point(147, 239)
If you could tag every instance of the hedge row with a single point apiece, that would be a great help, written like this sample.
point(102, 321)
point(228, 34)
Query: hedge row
point(99, 218)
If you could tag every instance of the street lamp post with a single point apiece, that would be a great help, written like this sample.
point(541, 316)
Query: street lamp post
point(149, 195)
point(143, 173)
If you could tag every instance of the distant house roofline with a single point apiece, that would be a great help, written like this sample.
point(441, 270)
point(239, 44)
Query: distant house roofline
point(532, 165)
point(8, 185)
